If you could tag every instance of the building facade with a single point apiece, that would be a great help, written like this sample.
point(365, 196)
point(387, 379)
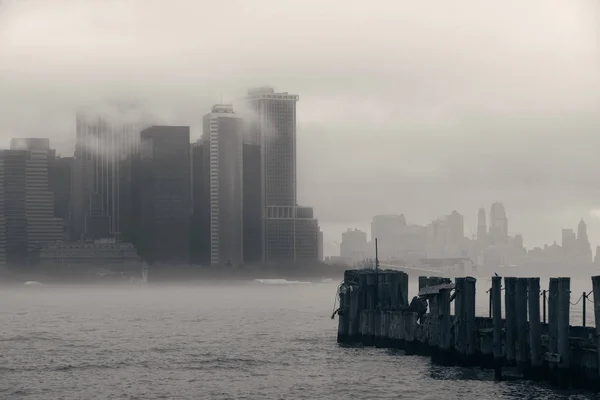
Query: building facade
point(271, 125)
point(28, 202)
point(223, 147)
point(102, 172)
point(161, 195)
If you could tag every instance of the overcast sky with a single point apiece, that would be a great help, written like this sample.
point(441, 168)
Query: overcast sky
point(414, 107)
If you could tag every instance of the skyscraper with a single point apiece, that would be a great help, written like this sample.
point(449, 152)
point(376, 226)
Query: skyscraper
point(28, 201)
point(584, 250)
point(200, 224)
point(498, 224)
point(105, 143)
point(481, 226)
point(162, 195)
point(271, 125)
point(223, 139)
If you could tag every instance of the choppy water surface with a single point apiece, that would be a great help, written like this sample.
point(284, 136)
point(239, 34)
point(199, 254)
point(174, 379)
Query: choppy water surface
point(216, 342)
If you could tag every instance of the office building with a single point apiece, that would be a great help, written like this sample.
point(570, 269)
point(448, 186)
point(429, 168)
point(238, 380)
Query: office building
point(161, 195)
point(28, 204)
point(200, 223)
point(271, 125)
point(498, 224)
point(354, 245)
point(481, 226)
point(102, 172)
point(223, 147)
point(253, 211)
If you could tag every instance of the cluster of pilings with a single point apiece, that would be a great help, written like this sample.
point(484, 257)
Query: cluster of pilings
point(375, 311)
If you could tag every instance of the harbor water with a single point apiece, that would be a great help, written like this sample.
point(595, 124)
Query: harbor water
point(217, 341)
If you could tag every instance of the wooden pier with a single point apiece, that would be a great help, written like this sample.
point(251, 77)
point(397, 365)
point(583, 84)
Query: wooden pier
point(375, 311)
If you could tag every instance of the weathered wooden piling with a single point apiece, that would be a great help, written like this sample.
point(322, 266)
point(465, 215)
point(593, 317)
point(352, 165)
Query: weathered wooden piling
point(410, 327)
point(522, 354)
point(551, 356)
point(343, 312)
point(564, 349)
point(459, 320)
point(469, 315)
point(444, 352)
point(497, 323)
point(596, 290)
point(354, 315)
point(511, 323)
point(569, 353)
point(535, 329)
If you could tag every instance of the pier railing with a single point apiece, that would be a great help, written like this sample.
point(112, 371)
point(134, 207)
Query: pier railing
point(529, 342)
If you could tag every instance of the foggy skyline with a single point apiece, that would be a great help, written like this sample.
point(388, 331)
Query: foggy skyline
point(411, 108)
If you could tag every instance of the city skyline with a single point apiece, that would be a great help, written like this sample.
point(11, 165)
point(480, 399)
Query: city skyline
point(386, 124)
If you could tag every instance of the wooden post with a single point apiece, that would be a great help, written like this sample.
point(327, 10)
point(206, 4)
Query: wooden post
point(497, 321)
point(469, 310)
point(511, 323)
point(394, 290)
point(343, 312)
point(553, 316)
point(354, 316)
point(491, 302)
point(433, 310)
point(564, 348)
point(404, 289)
point(544, 302)
point(381, 295)
point(584, 300)
point(410, 326)
point(596, 290)
point(521, 320)
point(444, 353)
point(370, 291)
point(460, 332)
point(535, 328)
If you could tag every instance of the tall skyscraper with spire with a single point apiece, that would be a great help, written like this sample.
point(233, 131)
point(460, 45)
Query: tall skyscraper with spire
point(584, 250)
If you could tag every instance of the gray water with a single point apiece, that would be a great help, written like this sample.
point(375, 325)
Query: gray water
point(240, 341)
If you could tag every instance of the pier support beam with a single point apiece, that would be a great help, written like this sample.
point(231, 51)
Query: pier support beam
point(535, 329)
point(497, 321)
point(521, 319)
point(469, 313)
point(596, 288)
point(511, 322)
point(564, 348)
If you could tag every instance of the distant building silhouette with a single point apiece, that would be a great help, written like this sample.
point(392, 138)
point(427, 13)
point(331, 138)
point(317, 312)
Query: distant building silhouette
point(354, 245)
point(498, 224)
point(481, 226)
point(584, 249)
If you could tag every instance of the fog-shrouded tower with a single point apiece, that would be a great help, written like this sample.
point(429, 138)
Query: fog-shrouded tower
point(271, 125)
point(498, 224)
point(102, 167)
point(161, 195)
point(223, 148)
point(481, 225)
